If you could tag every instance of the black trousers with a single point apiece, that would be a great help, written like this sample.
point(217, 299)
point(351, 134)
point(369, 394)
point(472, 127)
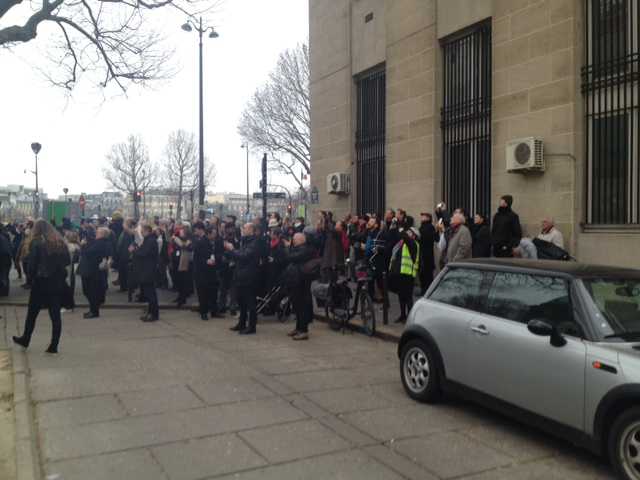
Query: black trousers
point(302, 306)
point(36, 303)
point(426, 278)
point(405, 294)
point(185, 284)
point(91, 287)
point(247, 302)
point(207, 296)
point(123, 276)
point(149, 292)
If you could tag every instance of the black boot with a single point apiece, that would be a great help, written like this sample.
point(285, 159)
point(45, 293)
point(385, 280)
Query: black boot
point(204, 316)
point(248, 331)
point(52, 350)
point(21, 341)
point(90, 315)
point(238, 327)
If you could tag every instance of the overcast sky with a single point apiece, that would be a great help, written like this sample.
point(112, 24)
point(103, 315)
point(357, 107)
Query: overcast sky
point(77, 132)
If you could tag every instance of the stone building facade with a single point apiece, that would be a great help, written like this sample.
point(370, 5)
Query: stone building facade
point(461, 79)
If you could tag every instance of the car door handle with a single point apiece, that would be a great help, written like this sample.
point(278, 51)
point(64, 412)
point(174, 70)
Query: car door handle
point(481, 329)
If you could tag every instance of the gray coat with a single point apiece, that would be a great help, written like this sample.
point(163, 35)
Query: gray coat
point(459, 247)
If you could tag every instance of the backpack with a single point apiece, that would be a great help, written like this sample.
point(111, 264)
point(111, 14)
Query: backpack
point(550, 251)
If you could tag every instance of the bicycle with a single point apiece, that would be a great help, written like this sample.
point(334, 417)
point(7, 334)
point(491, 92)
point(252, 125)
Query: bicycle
point(364, 274)
point(338, 307)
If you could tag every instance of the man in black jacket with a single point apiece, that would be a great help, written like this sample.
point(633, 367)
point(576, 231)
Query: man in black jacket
point(145, 259)
point(93, 250)
point(299, 285)
point(505, 231)
point(205, 270)
point(247, 260)
point(428, 238)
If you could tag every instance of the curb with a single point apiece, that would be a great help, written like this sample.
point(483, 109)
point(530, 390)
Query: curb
point(27, 458)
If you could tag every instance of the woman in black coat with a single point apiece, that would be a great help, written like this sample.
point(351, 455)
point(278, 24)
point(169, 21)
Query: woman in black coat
point(48, 258)
point(428, 239)
point(481, 247)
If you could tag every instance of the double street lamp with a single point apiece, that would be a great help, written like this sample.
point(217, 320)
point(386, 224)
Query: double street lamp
point(198, 27)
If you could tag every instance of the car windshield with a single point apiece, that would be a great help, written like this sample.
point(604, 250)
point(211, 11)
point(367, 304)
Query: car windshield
point(618, 300)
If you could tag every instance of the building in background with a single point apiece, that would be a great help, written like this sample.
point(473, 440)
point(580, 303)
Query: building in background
point(17, 202)
point(418, 101)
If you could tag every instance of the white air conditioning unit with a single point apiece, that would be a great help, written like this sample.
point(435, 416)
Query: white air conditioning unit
point(338, 183)
point(525, 154)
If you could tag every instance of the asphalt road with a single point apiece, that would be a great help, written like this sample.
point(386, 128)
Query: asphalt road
point(183, 399)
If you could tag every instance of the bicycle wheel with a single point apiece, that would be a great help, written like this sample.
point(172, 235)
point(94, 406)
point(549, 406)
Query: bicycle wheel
point(367, 314)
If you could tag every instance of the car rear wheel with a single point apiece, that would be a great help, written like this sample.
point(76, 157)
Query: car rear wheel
point(624, 444)
point(419, 372)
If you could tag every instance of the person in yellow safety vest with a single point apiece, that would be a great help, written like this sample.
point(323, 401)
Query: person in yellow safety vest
point(408, 252)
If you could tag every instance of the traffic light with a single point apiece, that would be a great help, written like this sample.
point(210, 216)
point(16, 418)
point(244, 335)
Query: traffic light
point(137, 196)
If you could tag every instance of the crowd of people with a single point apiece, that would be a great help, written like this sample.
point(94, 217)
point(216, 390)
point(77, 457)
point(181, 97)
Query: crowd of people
point(229, 266)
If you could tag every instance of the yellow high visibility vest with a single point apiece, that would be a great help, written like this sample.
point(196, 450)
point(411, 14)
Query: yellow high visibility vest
point(408, 266)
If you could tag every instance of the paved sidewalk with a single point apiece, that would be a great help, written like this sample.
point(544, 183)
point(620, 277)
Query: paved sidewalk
point(183, 399)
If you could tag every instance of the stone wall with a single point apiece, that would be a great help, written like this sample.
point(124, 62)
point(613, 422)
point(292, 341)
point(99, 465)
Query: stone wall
point(411, 116)
point(331, 92)
point(535, 89)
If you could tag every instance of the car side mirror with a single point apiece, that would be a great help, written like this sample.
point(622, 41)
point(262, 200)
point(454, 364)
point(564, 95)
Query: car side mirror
point(544, 329)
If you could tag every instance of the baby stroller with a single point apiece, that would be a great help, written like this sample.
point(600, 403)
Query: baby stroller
point(275, 302)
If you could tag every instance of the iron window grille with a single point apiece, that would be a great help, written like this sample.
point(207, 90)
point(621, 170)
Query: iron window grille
point(466, 119)
point(370, 142)
point(610, 92)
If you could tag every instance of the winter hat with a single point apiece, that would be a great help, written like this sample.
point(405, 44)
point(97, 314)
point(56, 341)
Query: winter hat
point(416, 232)
point(508, 199)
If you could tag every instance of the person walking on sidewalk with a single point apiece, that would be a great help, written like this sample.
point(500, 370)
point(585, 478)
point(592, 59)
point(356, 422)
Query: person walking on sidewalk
point(145, 259)
point(404, 268)
point(506, 231)
point(48, 258)
point(246, 271)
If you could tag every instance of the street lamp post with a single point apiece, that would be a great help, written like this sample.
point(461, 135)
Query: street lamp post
point(35, 148)
point(187, 27)
point(246, 146)
point(65, 190)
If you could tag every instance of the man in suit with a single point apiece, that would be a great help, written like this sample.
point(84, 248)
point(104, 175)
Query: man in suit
point(205, 271)
point(145, 259)
point(93, 250)
point(246, 259)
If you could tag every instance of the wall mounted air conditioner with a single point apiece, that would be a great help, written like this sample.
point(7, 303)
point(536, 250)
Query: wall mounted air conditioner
point(525, 155)
point(338, 183)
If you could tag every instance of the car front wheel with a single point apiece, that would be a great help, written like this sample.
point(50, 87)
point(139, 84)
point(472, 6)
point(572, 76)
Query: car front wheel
point(419, 372)
point(624, 444)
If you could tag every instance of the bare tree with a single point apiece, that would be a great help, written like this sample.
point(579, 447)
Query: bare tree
point(278, 116)
point(112, 39)
point(129, 169)
point(181, 168)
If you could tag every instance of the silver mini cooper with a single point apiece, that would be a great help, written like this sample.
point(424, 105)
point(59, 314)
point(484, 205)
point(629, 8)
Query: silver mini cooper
point(556, 344)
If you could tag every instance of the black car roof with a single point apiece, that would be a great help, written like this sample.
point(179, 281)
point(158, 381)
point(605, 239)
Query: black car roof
point(575, 269)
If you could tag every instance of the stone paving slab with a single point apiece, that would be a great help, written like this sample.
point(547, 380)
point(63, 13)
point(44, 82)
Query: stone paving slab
point(136, 432)
point(201, 458)
point(352, 465)
point(79, 411)
point(159, 400)
point(232, 390)
point(451, 454)
point(281, 443)
point(350, 399)
point(133, 465)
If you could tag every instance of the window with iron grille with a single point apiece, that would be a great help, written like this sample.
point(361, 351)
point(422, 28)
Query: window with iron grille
point(610, 91)
point(370, 142)
point(466, 119)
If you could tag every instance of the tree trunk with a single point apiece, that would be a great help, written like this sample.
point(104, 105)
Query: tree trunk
point(136, 209)
point(179, 205)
